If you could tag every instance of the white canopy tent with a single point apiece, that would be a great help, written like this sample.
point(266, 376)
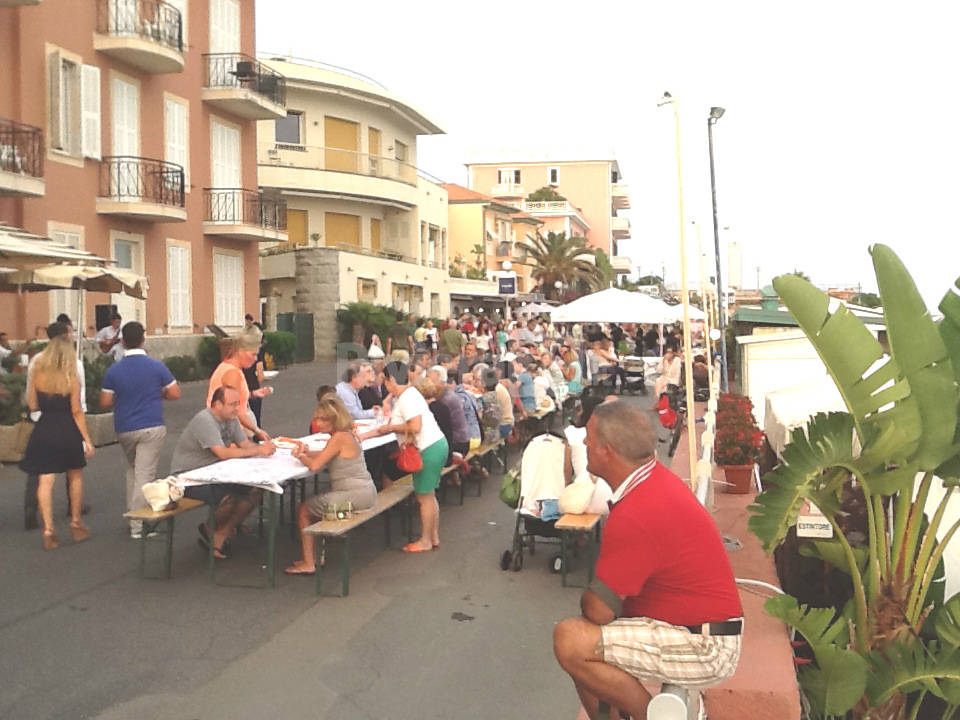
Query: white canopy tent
point(617, 306)
point(695, 313)
point(535, 309)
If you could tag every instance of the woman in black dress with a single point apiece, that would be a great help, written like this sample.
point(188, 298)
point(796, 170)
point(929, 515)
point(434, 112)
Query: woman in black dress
point(60, 442)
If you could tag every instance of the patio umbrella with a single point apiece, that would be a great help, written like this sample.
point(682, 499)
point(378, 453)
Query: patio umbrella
point(614, 305)
point(21, 249)
point(76, 277)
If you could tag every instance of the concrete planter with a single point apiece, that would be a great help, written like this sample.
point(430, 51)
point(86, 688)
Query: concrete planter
point(9, 435)
point(100, 427)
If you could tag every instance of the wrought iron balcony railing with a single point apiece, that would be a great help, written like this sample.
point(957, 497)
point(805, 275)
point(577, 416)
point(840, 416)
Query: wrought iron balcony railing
point(148, 19)
point(136, 179)
point(236, 70)
point(21, 148)
point(247, 207)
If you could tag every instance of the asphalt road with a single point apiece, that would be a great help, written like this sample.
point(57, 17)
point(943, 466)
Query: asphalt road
point(444, 635)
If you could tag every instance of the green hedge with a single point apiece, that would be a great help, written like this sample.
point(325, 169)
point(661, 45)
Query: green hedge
point(281, 346)
point(93, 375)
point(12, 387)
point(183, 367)
point(208, 356)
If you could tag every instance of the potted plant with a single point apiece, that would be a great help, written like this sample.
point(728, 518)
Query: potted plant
point(737, 442)
point(893, 649)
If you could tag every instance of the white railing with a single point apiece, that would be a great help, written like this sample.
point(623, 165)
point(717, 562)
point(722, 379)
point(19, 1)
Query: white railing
point(703, 483)
point(548, 206)
point(313, 157)
point(507, 189)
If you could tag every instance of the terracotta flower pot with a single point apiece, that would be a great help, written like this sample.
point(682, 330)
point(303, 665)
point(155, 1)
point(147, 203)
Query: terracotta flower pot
point(739, 477)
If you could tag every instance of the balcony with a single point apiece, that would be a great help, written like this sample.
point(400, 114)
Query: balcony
point(141, 189)
point(338, 172)
point(507, 190)
point(146, 34)
point(555, 208)
point(621, 264)
point(620, 227)
point(244, 215)
point(240, 85)
point(620, 194)
point(21, 160)
point(18, 3)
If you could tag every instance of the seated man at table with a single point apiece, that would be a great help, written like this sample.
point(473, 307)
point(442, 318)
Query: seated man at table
point(212, 435)
point(664, 605)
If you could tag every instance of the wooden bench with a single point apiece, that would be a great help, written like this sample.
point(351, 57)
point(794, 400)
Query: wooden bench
point(587, 524)
point(387, 498)
point(151, 517)
point(479, 453)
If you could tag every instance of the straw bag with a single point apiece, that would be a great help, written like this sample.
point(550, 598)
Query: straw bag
point(162, 494)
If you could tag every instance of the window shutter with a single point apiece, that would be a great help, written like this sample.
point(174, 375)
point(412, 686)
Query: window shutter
point(57, 130)
point(175, 137)
point(90, 115)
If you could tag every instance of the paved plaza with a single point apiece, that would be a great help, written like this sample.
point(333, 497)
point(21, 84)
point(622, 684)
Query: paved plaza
point(441, 635)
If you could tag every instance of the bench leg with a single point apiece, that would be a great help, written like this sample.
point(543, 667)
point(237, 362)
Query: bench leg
point(563, 559)
point(168, 555)
point(260, 521)
point(345, 565)
point(143, 553)
point(319, 555)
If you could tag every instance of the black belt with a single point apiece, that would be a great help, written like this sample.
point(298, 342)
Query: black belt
point(727, 627)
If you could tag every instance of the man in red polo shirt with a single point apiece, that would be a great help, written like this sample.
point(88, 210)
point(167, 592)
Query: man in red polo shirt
point(664, 605)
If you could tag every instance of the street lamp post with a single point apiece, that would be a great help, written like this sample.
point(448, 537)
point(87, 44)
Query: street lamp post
point(715, 114)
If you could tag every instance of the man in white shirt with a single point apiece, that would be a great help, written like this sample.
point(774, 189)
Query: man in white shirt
point(5, 350)
point(109, 338)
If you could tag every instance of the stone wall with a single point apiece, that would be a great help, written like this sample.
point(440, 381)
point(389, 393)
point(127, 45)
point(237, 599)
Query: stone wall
point(318, 292)
point(164, 346)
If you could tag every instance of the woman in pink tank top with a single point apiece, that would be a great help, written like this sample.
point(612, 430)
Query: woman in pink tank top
point(237, 354)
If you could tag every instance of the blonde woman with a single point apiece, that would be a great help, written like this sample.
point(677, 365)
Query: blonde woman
point(238, 354)
point(60, 442)
point(349, 479)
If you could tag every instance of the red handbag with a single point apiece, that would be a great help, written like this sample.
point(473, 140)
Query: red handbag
point(408, 459)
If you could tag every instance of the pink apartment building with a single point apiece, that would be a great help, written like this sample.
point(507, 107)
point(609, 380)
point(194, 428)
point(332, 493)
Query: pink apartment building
point(592, 186)
point(128, 129)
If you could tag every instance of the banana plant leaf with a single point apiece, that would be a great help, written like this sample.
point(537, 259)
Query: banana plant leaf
point(885, 415)
point(907, 668)
point(949, 329)
point(921, 355)
point(840, 677)
point(826, 443)
point(831, 553)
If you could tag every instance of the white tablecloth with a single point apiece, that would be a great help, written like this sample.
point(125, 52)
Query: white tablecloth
point(271, 472)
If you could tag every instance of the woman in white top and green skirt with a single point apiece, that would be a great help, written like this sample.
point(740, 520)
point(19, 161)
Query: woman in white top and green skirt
point(410, 417)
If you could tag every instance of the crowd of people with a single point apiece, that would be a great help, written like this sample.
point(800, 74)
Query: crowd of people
point(662, 577)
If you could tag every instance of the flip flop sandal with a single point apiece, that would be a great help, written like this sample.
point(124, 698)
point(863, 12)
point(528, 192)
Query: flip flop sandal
point(290, 571)
point(414, 548)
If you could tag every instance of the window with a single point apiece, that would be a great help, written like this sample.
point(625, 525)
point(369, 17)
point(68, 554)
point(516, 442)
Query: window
point(227, 289)
point(176, 142)
point(614, 176)
point(178, 287)
point(127, 254)
point(65, 301)
point(224, 26)
point(432, 246)
point(225, 155)
point(554, 176)
point(74, 92)
point(366, 290)
point(435, 304)
point(288, 129)
point(508, 176)
point(400, 151)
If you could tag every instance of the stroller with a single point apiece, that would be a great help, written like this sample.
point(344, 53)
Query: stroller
point(541, 481)
point(636, 379)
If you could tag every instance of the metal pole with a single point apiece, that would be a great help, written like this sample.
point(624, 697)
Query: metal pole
point(685, 289)
point(721, 295)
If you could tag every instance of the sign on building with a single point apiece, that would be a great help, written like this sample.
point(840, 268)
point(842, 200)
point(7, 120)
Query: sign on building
point(507, 285)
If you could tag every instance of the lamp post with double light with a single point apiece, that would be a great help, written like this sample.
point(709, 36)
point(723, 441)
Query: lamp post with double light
point(715, 114)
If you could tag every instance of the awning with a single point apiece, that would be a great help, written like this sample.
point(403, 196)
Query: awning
point(76, 277)
point(21, 249)
point(615, 305)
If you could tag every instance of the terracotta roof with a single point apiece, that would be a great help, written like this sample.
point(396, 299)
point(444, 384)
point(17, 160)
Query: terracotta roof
point(460, 194)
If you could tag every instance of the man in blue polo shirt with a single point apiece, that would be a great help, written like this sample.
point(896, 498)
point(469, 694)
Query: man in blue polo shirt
point(135, 388)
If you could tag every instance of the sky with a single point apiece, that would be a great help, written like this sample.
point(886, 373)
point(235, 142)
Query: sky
point(840, 128)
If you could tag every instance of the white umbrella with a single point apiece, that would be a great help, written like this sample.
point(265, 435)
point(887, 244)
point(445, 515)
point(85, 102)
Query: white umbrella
point(614, 305)
point(677, 310)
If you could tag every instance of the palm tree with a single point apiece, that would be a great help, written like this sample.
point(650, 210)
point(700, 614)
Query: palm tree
point(557, 257)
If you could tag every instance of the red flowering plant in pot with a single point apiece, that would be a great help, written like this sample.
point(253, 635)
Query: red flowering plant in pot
point(737, 441)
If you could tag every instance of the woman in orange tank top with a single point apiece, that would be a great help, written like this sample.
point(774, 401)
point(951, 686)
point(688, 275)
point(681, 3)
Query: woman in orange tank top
point(237, 354)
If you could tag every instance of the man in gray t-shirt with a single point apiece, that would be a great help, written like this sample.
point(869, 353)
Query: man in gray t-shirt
point(215, 434)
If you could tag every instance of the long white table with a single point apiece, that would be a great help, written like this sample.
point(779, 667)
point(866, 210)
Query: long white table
point(274, 474)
